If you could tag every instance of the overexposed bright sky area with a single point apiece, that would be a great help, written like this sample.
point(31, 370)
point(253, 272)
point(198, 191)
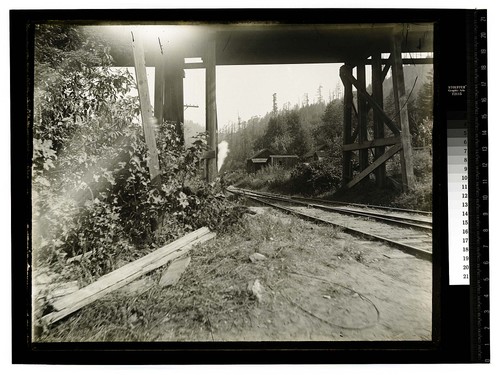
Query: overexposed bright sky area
point(247, 90)
point(244, 90)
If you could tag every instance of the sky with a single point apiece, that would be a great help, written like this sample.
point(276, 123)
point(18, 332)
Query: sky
point(247, 91)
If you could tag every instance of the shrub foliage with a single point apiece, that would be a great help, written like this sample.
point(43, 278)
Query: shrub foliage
point(315, 178)
point(91, 190)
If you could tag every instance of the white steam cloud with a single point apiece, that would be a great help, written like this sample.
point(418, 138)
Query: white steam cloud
point(222, 152)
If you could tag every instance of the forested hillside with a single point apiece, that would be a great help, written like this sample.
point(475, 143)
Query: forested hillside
point(304, 128)
point(191, 131)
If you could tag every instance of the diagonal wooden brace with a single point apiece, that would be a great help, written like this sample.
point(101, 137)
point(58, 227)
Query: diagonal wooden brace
point(365, 172)
point(346, 76)
point(146, 110)
point(387, 66)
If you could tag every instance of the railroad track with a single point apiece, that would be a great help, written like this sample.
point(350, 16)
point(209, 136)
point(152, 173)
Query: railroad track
point(408, 231)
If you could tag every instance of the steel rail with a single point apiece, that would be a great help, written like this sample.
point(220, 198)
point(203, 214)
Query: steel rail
point(362, 205)
point(406, 222)
point(419, 253)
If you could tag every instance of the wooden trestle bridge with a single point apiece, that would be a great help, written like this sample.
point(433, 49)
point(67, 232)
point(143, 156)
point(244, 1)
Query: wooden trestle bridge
point(170, 48)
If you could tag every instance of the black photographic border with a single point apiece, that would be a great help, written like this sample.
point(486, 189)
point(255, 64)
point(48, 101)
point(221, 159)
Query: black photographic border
point(454, 321)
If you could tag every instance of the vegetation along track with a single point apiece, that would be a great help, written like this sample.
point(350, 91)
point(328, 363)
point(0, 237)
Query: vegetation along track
point(410, 232)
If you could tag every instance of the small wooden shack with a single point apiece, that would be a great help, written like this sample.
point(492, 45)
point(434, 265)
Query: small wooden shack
point(265, 157)
point(317, 154)
point(285, 161)
point(258, 161)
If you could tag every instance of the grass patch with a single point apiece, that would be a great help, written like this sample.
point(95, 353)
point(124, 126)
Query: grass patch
point(211, 296)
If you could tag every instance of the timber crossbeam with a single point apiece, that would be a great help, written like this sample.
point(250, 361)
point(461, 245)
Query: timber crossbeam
point(372, 143)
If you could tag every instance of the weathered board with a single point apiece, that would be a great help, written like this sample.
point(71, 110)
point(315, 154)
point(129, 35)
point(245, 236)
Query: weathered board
point(211, 108)
point(401, 108)
point(146, 110)
point(373, 143)
point(126, 274)
point(173, 273)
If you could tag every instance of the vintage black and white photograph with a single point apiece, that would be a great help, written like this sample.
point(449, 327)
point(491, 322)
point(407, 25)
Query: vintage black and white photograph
point(232, 182)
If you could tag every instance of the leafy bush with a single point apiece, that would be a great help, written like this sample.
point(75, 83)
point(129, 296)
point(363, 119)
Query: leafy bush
point(91, 188)
point(315, 178)
point(269, 178)
point(420, 198)
point(305, 178)
point(423, 136)
point(422, 164)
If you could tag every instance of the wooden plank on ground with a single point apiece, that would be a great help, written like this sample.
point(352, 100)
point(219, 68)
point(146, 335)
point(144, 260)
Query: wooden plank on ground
point(173, 273)
point(132, 267)
point(126, 274)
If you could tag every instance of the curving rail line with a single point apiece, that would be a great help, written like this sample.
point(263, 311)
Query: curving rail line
point(411, 234)
point(379, 213)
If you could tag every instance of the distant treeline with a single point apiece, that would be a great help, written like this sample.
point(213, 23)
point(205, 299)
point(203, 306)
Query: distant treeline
point(301, 129)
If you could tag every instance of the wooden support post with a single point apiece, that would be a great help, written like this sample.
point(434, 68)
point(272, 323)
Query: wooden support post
point(146, 110)
point(159, 90)
point(378, 122)
point(173, 100)
point(401, 108)
point(362, 117)
point(346, 162)
point(211, 108)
